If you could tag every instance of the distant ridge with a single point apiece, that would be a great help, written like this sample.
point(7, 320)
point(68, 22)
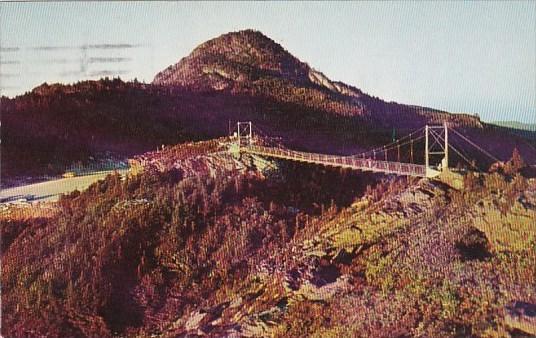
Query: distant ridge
point(516, 125)
point(525, 130)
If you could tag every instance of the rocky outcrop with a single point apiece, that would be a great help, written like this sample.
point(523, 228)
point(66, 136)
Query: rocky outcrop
point(521, 316)
point(190, 159)
point(320, 79)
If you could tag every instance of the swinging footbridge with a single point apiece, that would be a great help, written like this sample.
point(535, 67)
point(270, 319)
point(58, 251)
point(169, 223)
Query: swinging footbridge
point(386, 159)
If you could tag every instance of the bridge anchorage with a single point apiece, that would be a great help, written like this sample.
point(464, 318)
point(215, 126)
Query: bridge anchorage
point(436, 149)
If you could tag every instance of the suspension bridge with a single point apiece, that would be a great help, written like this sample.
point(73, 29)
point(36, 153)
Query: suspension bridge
point(380, 159)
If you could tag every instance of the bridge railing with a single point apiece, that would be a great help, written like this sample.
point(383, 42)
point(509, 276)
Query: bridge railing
point(341, 161)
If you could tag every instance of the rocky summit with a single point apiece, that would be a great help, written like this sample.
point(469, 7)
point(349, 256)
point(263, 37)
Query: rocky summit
point(236, 60)
point(248, 62)
point(232, 59)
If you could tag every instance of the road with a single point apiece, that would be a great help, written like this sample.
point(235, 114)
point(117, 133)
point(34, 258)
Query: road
point(51, 190)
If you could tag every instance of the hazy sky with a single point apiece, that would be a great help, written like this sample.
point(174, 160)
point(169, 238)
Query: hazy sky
point(476, 57)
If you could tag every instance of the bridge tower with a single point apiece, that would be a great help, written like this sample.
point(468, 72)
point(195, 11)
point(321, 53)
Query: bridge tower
point(244, 133)
point(442, 142)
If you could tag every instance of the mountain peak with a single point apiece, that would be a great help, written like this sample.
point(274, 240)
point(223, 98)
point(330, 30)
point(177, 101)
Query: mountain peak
point(247, 61)
point(244, 43)
point(232, 59)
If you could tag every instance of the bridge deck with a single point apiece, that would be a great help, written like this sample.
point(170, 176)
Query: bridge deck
point(387, 167)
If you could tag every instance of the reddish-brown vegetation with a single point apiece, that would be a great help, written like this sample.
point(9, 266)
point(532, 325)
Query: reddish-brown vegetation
point(128, 256)
point(182, 249)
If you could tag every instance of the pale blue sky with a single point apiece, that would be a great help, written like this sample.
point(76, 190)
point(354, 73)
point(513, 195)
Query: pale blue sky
point(476, 57)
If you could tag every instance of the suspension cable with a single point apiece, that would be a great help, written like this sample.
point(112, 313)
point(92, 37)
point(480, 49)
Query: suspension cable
point(438, 139)
point(475, 145)
point(388, 145)
point(395, 146)
point(465, 158)
point(459, 152)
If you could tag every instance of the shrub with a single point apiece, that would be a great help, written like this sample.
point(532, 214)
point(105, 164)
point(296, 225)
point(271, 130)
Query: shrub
point(303, 319)
point(515, 164)
point(474, 245)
